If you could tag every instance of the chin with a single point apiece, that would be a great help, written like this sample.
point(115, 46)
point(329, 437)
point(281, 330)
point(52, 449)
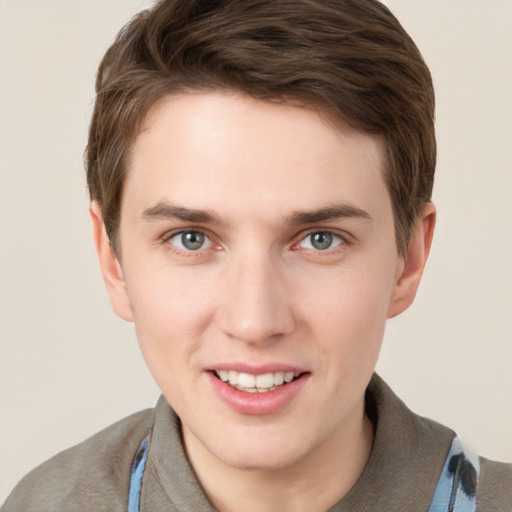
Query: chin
point(262, 451)
point(261, 460)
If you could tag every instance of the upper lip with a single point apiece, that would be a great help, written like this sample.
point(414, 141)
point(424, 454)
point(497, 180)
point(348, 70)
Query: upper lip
point(256, 369)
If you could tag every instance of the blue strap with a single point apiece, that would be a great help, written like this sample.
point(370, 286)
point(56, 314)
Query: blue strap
point(138, 465)
point(457, 486)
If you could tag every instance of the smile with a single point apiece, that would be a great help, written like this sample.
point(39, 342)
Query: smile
point(255, 383)
point(267, 392)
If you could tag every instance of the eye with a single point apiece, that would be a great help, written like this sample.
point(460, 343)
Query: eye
point(321, 241)
point(190, 241)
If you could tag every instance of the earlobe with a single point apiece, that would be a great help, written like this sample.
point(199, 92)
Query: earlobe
point(110, 267)
point(413, 262)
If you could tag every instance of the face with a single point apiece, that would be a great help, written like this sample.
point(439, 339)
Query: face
point(258, 262)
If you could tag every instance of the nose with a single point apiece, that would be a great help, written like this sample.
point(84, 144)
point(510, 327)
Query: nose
point(255, 302)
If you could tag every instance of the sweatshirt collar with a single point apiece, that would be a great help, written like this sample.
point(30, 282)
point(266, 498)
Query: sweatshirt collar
point(407, 458)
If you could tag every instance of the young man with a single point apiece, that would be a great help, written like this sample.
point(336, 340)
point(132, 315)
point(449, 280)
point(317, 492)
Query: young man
point(260, 176)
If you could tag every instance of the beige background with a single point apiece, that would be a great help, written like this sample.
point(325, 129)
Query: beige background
point(68, 366)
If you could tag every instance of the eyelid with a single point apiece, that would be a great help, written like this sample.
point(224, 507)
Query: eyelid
point(346, 239)
point(178, 231)
point(187, 252)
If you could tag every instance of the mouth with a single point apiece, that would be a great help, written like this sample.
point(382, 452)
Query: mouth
point(261, 383)
point(257, 391)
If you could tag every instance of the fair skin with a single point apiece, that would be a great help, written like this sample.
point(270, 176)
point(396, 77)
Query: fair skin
point(258, 238)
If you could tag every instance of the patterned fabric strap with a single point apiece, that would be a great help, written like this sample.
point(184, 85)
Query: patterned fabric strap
point(457, 486)
point(455, 491)
point(138, 465)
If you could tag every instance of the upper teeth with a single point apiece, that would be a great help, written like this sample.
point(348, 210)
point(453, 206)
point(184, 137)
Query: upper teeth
point(247, 380)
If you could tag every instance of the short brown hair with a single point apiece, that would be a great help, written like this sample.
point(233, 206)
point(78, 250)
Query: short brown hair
point(350, 58)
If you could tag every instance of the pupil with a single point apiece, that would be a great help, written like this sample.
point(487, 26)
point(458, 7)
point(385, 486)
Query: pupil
point(321, 241)
point(192, 240)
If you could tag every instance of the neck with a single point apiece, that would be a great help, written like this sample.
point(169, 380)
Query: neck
point(316, 482)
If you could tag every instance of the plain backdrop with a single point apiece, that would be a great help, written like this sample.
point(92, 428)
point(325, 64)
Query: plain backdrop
point(69, 366)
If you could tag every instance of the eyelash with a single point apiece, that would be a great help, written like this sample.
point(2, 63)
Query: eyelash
point(344, 242)
point(184, 252)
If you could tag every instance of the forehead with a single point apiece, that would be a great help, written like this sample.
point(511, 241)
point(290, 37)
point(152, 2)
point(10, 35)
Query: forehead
point(228, 151)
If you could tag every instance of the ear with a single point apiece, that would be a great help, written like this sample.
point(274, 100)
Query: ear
point(110, 266)
point(413, 262)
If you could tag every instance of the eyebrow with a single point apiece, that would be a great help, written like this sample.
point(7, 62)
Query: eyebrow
point(164, 210)
point(330, 213)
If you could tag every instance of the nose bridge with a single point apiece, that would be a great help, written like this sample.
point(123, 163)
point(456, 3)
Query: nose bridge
point(255, 305)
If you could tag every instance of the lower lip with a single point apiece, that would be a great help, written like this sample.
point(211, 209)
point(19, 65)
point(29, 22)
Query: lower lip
point(257, 403)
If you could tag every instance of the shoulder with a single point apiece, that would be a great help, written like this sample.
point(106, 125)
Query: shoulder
point(91, 476)
point(494, 486)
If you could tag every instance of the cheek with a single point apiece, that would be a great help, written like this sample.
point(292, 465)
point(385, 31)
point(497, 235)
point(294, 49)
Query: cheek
point(171, 311)
point(168, 298)
point(348, 311)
